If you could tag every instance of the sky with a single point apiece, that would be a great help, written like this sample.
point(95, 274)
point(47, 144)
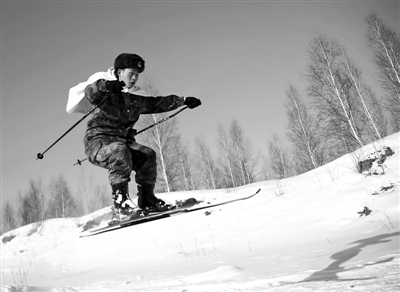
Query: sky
point(238, 57)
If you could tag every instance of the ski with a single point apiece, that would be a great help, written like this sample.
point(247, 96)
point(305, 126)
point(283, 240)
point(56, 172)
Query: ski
point(186, 207)
point(188, 203)
point(112, 225)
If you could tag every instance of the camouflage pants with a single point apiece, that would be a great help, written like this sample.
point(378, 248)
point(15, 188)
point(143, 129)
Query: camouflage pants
point(121, 158)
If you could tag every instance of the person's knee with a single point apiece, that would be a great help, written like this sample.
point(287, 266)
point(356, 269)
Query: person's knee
point(149, 154)
point(152, 155)
point(120, 156)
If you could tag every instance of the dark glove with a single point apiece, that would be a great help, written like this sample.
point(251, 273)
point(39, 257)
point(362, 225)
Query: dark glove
point(131, 134)
point(115, 86)
point(192, 102)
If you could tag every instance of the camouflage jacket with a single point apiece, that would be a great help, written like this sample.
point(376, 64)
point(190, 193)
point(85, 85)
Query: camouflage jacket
point(117, 114)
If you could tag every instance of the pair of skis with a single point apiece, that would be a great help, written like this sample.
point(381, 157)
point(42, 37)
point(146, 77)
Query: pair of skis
point(186, 207)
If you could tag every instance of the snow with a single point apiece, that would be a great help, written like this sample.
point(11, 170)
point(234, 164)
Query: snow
point(298, 234)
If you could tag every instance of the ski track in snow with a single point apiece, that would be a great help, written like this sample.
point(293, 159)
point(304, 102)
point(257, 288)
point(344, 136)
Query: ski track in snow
point(309, 239)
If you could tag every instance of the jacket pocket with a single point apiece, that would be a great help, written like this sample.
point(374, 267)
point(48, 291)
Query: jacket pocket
point(93, 150)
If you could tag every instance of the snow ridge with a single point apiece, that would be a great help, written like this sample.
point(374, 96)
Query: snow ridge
point(299, 234)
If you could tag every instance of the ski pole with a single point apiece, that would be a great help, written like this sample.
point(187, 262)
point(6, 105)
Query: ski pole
point(41, 155)
point(162, 120)
point(145, 129)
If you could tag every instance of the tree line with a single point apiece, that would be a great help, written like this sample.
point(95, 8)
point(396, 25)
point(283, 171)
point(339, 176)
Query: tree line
point(338, 113)
point(38, 203)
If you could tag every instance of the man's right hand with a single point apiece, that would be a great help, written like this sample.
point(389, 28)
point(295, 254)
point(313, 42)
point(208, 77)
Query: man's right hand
point(115, 86)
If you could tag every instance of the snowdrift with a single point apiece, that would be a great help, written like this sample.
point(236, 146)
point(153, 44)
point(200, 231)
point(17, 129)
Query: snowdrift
point(306, 233)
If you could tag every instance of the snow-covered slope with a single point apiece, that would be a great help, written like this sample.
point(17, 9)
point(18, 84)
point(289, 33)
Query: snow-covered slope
point(298, 234)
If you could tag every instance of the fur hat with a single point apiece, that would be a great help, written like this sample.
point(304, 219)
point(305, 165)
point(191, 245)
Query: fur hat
point(126, 60)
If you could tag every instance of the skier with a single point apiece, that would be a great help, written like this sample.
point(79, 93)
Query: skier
point(110, 138)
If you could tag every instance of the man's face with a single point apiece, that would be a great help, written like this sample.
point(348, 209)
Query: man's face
point(129, 75)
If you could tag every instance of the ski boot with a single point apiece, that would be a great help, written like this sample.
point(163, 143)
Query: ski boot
point(149, 203)
point(123, 207)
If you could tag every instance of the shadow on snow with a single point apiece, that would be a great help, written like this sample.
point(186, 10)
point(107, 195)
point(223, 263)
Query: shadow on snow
point(330, 273)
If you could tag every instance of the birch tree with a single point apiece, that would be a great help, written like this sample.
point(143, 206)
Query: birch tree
point(209, 174)
point(385, 45)
point(243, 152)
point(187, 179)
point(279, 161)
point(304, 134)
point(32, 207)
point(226, 158)
point(91, 196)
point(330, 88)
point(9, 221)
point(61, 202)
point(371, 107)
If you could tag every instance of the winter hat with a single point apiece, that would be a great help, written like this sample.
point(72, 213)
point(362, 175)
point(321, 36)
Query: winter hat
point(126, 60)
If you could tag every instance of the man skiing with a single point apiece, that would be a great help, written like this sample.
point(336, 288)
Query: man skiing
point(110, 139)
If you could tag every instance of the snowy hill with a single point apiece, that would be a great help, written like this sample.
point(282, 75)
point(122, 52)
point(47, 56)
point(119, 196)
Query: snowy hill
point(298, 234)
